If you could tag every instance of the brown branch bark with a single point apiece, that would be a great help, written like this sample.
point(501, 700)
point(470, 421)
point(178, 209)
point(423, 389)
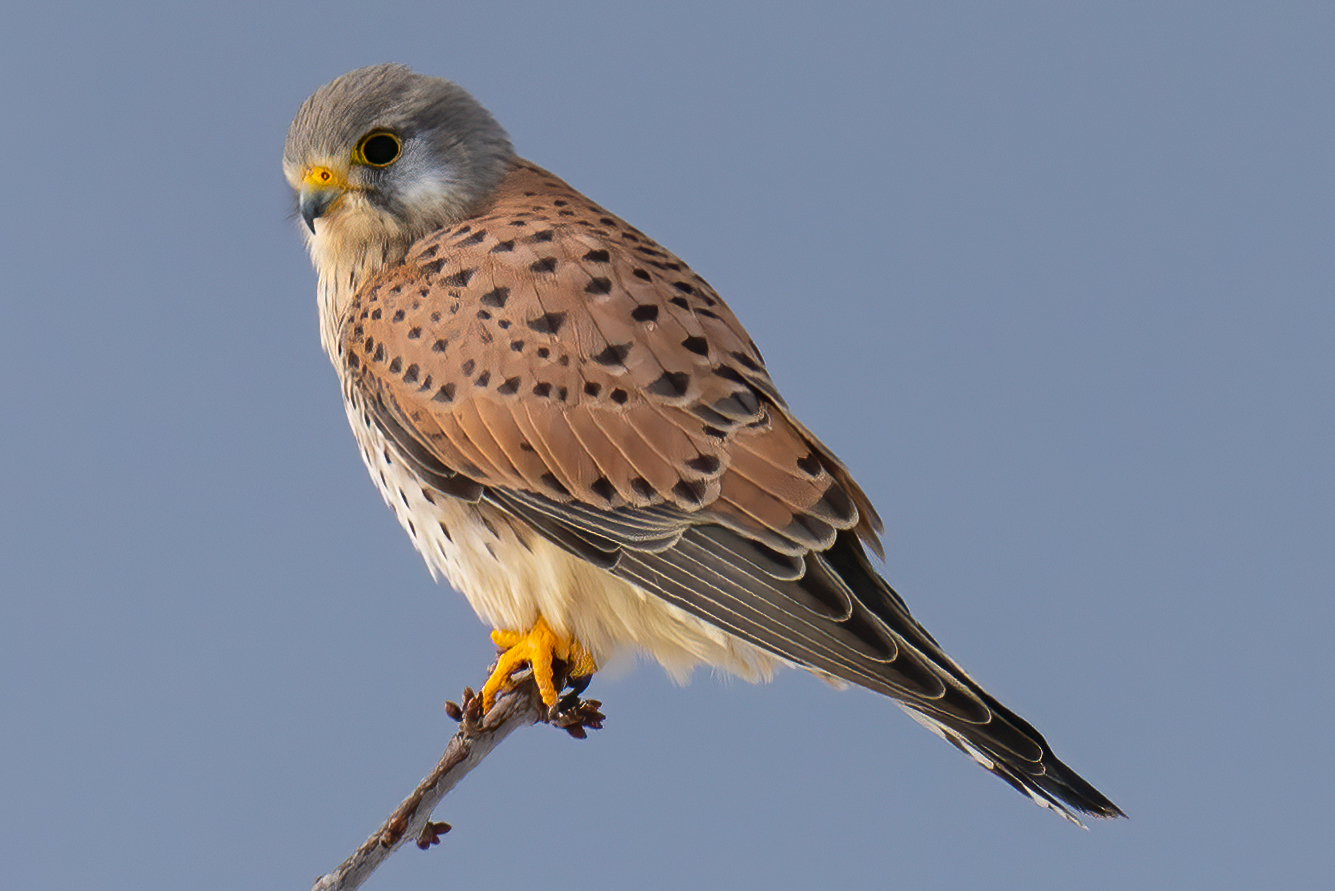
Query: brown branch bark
point(478, 734)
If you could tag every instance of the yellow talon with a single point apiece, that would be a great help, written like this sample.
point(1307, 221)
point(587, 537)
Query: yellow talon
point(537, 648)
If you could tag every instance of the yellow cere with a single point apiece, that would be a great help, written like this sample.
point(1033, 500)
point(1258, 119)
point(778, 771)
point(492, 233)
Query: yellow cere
point(318, 177)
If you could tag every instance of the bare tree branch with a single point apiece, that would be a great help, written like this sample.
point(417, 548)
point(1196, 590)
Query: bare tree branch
point(478, 734)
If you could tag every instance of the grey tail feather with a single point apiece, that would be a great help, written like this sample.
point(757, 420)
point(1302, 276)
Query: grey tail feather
point(1049, 782)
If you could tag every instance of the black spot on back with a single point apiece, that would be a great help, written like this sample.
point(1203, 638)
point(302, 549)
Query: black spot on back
point(603, 488)
point(697, 345)
point(615, 354)
point(551, 482)
point(671, 385)
point(548, 323)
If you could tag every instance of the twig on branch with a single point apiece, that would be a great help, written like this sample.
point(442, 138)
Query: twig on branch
point(478, 734)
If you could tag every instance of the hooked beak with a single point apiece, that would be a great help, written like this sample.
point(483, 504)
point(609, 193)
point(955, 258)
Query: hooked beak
point(320, 189)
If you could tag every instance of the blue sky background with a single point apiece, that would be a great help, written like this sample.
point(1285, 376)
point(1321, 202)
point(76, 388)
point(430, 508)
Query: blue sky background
point(1055, 280)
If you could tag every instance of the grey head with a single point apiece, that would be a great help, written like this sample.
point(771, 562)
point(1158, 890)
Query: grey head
point(385, 155)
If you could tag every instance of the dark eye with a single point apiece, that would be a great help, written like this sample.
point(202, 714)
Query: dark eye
point(380, 149)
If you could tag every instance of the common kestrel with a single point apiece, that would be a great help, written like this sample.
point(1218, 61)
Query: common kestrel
point(579, 435)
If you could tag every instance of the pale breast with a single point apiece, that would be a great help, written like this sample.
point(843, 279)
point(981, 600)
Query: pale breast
point(510, 575)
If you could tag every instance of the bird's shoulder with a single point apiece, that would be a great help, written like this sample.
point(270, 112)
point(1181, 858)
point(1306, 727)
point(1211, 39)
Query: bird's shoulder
point(546, 345)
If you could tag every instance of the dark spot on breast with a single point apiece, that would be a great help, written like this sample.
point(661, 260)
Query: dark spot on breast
point(598, 257)
point(619, 396)
point(593, 388)
point(459, 279)
point(684, 287)
point(495, 297)
point(482, 379)
point(398, 316)
point(444, 394)
point(543, 389)
point(543, 236)
point(546, 264)
point(543, 352)
point(504, 247)
point(680, 301)
point(642, 274)
point(517, 346)
point(439, 346)
point(476, 237)
point(598, 285)
point(642, 487)
point(509, 387)
point(410, 374)
point(414, 333)
point(467, 367)
point(645, 312)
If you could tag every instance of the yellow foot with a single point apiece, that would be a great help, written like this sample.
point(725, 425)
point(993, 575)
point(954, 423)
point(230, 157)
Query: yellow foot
point(538, 648)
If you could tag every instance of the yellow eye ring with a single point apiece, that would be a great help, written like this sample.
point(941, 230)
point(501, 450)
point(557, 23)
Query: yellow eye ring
point(378, 148)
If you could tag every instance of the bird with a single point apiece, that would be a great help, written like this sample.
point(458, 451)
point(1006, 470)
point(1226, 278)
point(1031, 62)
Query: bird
point(579, 435)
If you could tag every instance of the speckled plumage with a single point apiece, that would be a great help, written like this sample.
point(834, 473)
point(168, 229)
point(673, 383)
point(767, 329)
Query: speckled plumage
point(572, 425)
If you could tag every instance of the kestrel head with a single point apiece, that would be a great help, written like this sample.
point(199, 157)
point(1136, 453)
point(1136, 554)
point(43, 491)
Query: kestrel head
point(381, 156)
